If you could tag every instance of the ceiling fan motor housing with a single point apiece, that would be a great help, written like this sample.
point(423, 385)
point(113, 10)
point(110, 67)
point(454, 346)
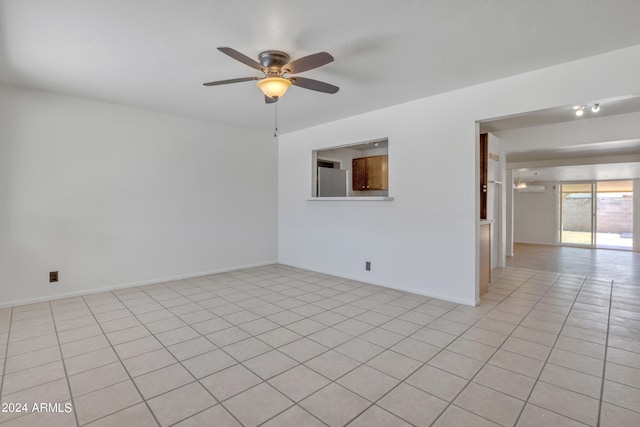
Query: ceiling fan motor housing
point(273, 61)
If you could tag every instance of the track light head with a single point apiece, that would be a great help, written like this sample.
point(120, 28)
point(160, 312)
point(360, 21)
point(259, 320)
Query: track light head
point(579, 109)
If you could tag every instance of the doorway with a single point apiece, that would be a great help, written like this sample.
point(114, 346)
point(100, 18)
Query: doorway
point(597, 214)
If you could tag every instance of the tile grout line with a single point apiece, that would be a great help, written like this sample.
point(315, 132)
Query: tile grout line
point(167, 350)
point(59, 345)
point(329, 349)
point(433, 356)
point(549, 355)
point(403, 381)
point(360, 364)
point(201, 335)
point(375, 403)
point(308, 317)
point(604, 363)
point(331, 381)
point(64, 367)
point(325, 326)
point(548, 287)
point(544, 345)
point(219, 402)
point(6, 352)
point(50, 311)
point(370, 294)
point(390, 348)
point(180, 362)
point(123, 366)
point(469, 381)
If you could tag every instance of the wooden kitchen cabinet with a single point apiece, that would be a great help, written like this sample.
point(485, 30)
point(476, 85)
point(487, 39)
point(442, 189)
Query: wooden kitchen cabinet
point(484, 169)
point(359, 171)
point(370, 173)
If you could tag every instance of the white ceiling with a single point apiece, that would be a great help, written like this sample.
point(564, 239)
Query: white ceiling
point(582, 162)
point(155, 54)
point(580, 151)
point(572, 173)
point(578, 162)
point(565, 113)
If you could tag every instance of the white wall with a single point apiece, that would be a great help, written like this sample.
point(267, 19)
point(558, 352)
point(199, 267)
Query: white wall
point(494, 199)
point(426, 239)
point(508, 212)
point(536, 216)
point(112, 196)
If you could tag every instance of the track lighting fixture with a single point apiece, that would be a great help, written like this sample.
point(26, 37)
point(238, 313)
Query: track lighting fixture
point(580, 108)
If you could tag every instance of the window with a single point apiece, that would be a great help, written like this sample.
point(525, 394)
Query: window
point(358, 170)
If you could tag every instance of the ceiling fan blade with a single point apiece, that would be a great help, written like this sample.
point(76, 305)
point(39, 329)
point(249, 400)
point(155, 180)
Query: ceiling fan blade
point(270, 100)
point(240, 57)
point(316, 85)
point(309, 62)
point(226, 82)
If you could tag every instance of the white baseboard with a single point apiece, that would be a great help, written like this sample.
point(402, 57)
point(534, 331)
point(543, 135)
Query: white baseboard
point(129, 285)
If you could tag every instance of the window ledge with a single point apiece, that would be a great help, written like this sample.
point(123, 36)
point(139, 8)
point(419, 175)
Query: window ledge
point(357, 199)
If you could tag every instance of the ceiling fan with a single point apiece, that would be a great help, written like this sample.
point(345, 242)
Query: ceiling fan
point(278, 72)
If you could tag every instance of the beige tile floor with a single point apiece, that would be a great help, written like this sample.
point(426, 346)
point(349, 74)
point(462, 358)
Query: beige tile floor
point(279, 346)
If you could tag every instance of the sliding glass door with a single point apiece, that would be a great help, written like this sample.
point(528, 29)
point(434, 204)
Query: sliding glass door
point(577, 212)
point(614, 214)
point(597, 214)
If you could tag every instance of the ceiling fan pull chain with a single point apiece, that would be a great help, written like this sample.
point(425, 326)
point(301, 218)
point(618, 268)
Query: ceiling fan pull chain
point(275, 132)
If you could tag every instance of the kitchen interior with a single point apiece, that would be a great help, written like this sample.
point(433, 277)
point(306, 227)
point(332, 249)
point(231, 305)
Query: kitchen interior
point(359, 170)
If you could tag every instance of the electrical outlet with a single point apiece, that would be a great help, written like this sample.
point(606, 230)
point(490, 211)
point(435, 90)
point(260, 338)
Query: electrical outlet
point(367, 266)
point(53, 276)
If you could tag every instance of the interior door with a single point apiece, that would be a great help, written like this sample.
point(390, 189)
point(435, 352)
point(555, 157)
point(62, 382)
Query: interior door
point(577, 225)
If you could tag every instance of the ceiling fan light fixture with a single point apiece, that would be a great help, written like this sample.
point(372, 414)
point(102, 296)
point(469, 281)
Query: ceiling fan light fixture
point(274, 87)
